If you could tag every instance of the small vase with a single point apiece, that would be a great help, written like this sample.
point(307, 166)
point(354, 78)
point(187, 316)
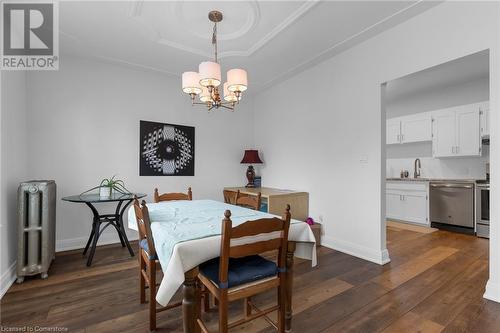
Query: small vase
point(105, 191)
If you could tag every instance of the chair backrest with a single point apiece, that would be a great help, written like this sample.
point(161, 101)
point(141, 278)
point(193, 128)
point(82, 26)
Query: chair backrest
point(144, 225)
point(229, 197)
point(248, 201)
point(235, 242)
point(172, 196)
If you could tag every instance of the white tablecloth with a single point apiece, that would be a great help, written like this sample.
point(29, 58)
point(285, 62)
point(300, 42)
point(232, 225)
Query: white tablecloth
point(188, 254)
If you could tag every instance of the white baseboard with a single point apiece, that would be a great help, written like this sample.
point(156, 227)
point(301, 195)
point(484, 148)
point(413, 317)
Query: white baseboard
point(7, 279)
point(378, 257)
point(80, 242)
point(492, 291)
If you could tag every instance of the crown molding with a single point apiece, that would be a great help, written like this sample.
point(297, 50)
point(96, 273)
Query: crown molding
point(137, 7)
point(124, 63)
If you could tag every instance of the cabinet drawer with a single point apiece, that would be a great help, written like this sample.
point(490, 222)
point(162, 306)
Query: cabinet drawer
point(407, 186)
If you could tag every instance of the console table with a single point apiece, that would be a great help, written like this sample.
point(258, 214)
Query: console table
point(276, 199)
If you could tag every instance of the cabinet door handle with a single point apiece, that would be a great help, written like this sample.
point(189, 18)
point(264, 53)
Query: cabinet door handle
point(457, 149)
point(453, 149)
point(398, 138)
point(402, 137)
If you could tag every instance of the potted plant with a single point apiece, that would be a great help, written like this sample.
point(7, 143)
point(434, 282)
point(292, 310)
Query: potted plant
point(108, 185)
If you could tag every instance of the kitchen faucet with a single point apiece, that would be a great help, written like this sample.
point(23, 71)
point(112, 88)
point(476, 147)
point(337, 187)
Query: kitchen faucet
point(416, 174)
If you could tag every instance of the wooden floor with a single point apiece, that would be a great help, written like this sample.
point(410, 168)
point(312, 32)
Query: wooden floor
point(434, 283)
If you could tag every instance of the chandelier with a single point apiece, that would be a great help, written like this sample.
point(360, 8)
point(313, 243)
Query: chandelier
point(206, 82)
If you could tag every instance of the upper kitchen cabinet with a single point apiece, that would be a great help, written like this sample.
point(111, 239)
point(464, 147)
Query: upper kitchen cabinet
point(416, 128)
point(456, 132)
point(443, 136)
point(393, 131)
point(408, 129)
point(484, 118)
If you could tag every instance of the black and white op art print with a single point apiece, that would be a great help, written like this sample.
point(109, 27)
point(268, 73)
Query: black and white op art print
point(166, 150)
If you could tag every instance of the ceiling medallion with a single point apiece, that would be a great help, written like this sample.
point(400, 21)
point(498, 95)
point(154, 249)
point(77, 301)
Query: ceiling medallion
point(205, 83)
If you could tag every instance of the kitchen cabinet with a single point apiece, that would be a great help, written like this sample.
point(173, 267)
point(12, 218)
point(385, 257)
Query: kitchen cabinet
point(468, 136)
point(408, 202)
point(416, 128)
point(484, 119)
point(408, 129)
point(393, 131)
point(443, 133)
point(456, 132)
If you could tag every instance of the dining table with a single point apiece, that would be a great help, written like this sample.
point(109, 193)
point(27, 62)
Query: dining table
point(187, 233)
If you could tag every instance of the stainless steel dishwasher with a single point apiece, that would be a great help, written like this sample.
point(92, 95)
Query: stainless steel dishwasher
point(452, 203)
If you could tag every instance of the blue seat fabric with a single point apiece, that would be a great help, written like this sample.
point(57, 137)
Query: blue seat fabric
point(144, 245)
point(241, 270)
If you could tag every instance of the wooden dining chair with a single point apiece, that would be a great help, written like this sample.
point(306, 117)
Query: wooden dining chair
point(248, 201)
point(148, 263)
point(240, 273)
point(172, 196)
point(229, 197)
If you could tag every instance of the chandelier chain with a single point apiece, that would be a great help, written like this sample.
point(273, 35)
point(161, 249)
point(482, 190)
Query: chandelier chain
point(214, 41)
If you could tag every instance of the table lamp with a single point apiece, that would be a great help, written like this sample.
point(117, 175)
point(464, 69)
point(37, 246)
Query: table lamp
point(251, 157)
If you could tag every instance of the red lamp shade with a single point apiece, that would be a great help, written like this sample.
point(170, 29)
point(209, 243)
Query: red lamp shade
point(251, 157)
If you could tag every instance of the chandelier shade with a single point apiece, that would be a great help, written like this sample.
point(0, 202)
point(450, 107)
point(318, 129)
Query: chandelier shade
point(229, 96)
point(237, 80)
point(210, 74)
point(191, 83)
point(205, 95)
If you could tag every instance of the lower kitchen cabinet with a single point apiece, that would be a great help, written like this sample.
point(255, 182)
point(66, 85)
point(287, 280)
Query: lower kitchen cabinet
point(408, 202)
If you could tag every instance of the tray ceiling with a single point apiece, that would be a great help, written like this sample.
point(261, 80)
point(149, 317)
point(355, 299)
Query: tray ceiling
point(271, 39)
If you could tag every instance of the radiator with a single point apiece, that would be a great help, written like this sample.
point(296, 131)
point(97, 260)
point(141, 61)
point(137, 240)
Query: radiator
point(36, 228)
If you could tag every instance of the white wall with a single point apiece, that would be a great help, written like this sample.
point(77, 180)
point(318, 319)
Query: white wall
point(83, 124)
point(14, 143)
point(493, 286)
point(321, 131)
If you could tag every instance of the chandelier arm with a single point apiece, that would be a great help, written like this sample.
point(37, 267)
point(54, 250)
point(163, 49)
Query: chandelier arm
point(227, 107)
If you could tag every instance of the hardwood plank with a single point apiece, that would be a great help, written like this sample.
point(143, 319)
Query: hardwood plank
point(413, 323)
point(399, 275)
point(444, 305)
point(394, 225)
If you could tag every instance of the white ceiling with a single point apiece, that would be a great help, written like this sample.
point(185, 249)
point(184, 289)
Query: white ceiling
point(272, 40)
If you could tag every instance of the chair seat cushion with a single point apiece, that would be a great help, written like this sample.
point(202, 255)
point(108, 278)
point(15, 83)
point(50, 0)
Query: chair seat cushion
point(241, 270)
point(144, 245)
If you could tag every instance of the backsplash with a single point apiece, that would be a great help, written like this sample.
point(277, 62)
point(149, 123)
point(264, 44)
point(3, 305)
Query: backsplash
point(442, 168)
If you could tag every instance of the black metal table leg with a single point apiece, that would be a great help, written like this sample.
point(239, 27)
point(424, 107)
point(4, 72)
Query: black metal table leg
point(97, 224)
point(122, 229)
point(116, 218)
point(92, 233)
